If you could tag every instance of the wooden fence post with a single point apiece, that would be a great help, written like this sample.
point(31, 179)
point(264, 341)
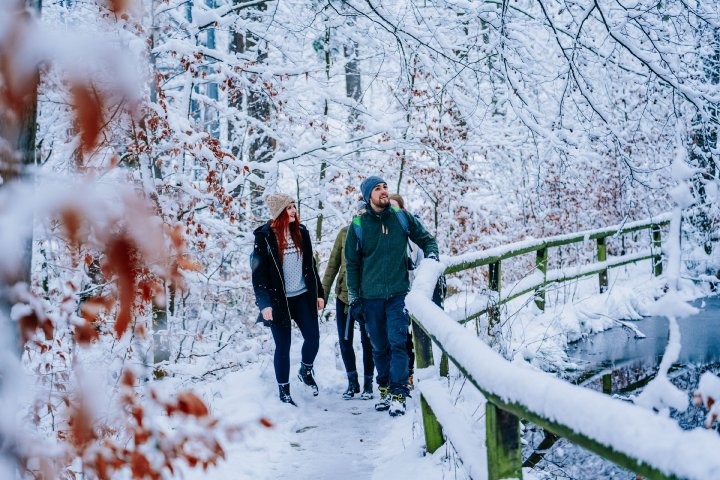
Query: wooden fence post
point(541, 265)
point(602, 257)
point(444, 365)
point(607, 383)
point(423, 359)
point(657, 250)
point(494, 285)
point(504, 449)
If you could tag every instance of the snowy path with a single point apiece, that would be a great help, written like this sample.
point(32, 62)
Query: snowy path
point(325, 437)
point(334, 436)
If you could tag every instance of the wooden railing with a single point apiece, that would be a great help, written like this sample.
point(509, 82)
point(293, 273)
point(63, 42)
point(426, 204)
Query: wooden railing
point(506, 403)
point(542, 278)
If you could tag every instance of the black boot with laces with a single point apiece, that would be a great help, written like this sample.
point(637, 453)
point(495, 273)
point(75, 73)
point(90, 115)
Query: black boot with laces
point(306, 376)
point(353, 386)
point(285, 397)
point(367, 393)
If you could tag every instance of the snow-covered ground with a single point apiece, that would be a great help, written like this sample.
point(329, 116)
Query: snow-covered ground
point(327, 437)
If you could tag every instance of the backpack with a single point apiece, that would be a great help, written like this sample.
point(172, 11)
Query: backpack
point(401, 215)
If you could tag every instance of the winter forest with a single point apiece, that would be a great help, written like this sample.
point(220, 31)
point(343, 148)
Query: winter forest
point(139, 140)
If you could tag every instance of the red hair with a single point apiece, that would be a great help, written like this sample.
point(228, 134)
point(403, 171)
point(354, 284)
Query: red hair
point(280, 225)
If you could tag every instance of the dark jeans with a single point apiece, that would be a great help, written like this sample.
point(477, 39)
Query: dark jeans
point(346, 346)
point(303, 311)
point(387, 324)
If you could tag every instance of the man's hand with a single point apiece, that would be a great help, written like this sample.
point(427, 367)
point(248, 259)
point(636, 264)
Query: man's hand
point(267, 314)
point(434, 256)
point(355, 310)
point(320, 303)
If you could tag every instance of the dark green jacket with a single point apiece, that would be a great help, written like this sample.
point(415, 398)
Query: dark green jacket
point(336, 267)
point(381, 269)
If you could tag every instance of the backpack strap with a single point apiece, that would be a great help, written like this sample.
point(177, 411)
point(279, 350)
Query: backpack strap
point(400, 214)
point(357, 228)
point(402, 218)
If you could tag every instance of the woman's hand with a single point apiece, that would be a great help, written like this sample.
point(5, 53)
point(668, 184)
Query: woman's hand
point(320, 303)
point(267, 314)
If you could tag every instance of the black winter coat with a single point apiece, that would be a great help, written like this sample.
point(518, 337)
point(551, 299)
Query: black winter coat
point(267, 276)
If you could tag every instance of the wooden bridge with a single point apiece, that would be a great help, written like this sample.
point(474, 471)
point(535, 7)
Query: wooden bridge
point(636, 438)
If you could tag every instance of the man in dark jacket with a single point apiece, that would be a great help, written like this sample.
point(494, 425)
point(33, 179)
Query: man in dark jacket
point(377, 279)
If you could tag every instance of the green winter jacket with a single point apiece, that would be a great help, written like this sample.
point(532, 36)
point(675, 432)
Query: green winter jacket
point(381, 269)
point(336, 267)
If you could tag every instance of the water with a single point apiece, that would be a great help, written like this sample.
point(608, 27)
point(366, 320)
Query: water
point(618, 348)
point(628, 363)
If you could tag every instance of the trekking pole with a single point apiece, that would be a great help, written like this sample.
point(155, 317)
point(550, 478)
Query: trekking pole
point(347, 322)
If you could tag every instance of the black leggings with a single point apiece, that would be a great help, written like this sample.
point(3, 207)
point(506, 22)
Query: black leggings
point(303, 311)
point(346, 346)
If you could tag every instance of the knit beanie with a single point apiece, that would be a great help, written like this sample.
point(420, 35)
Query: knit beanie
point(366, 187)
point(277, 202)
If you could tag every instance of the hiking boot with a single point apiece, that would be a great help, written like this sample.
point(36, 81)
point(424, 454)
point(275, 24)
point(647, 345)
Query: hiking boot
point(384, 402)
point(353, 386)
point(397, 404)
point(285, 397)
point(306, 376)
point(367, 393)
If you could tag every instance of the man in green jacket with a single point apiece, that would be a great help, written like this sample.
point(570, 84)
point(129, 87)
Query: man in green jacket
point(377, 279)
point(345, 323)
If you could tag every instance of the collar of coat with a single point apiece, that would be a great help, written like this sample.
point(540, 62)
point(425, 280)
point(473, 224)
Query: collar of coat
point(379, 214)
point(266, 230)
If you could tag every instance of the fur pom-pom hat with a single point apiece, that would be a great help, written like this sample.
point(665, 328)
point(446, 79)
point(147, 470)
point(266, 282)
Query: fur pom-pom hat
point(277, 202)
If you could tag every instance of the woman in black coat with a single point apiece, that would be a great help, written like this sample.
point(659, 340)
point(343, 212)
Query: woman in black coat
point(287, 286)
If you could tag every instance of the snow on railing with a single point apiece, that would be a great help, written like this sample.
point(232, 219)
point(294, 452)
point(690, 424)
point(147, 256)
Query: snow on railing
point(541, 278)
point(628, 435)
point(468, 442)
point(631, 436)
point(491, 255)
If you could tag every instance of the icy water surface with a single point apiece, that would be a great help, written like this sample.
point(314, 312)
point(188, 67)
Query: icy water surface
point(618, 347)
point(631, 361)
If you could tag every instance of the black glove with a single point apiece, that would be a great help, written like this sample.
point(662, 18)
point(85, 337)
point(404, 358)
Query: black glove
point(356, 310)
point(434, 256)
point(354, 313)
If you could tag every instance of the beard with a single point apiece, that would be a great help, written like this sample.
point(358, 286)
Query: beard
point(382, 202)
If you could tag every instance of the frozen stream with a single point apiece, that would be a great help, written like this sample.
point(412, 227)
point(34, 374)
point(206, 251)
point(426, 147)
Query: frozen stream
point(618, 348)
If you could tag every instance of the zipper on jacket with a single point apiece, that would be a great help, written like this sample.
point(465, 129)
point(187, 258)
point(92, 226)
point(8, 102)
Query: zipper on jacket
point(387, 260)
point(315, 277)
point(282, 281)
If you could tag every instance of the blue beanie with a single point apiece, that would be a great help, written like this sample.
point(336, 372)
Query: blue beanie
point(366, 187)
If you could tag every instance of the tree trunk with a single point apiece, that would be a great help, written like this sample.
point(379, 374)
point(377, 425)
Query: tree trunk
point(704, 142)
point(262, 146)
point(258, 107)
point(18, 129)
point(408, 119)
point(353, 85)
point(323, 165)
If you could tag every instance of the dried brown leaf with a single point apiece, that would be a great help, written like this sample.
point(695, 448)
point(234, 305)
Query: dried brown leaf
point(85, 333)
point(88, 106)
point(190, 404)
